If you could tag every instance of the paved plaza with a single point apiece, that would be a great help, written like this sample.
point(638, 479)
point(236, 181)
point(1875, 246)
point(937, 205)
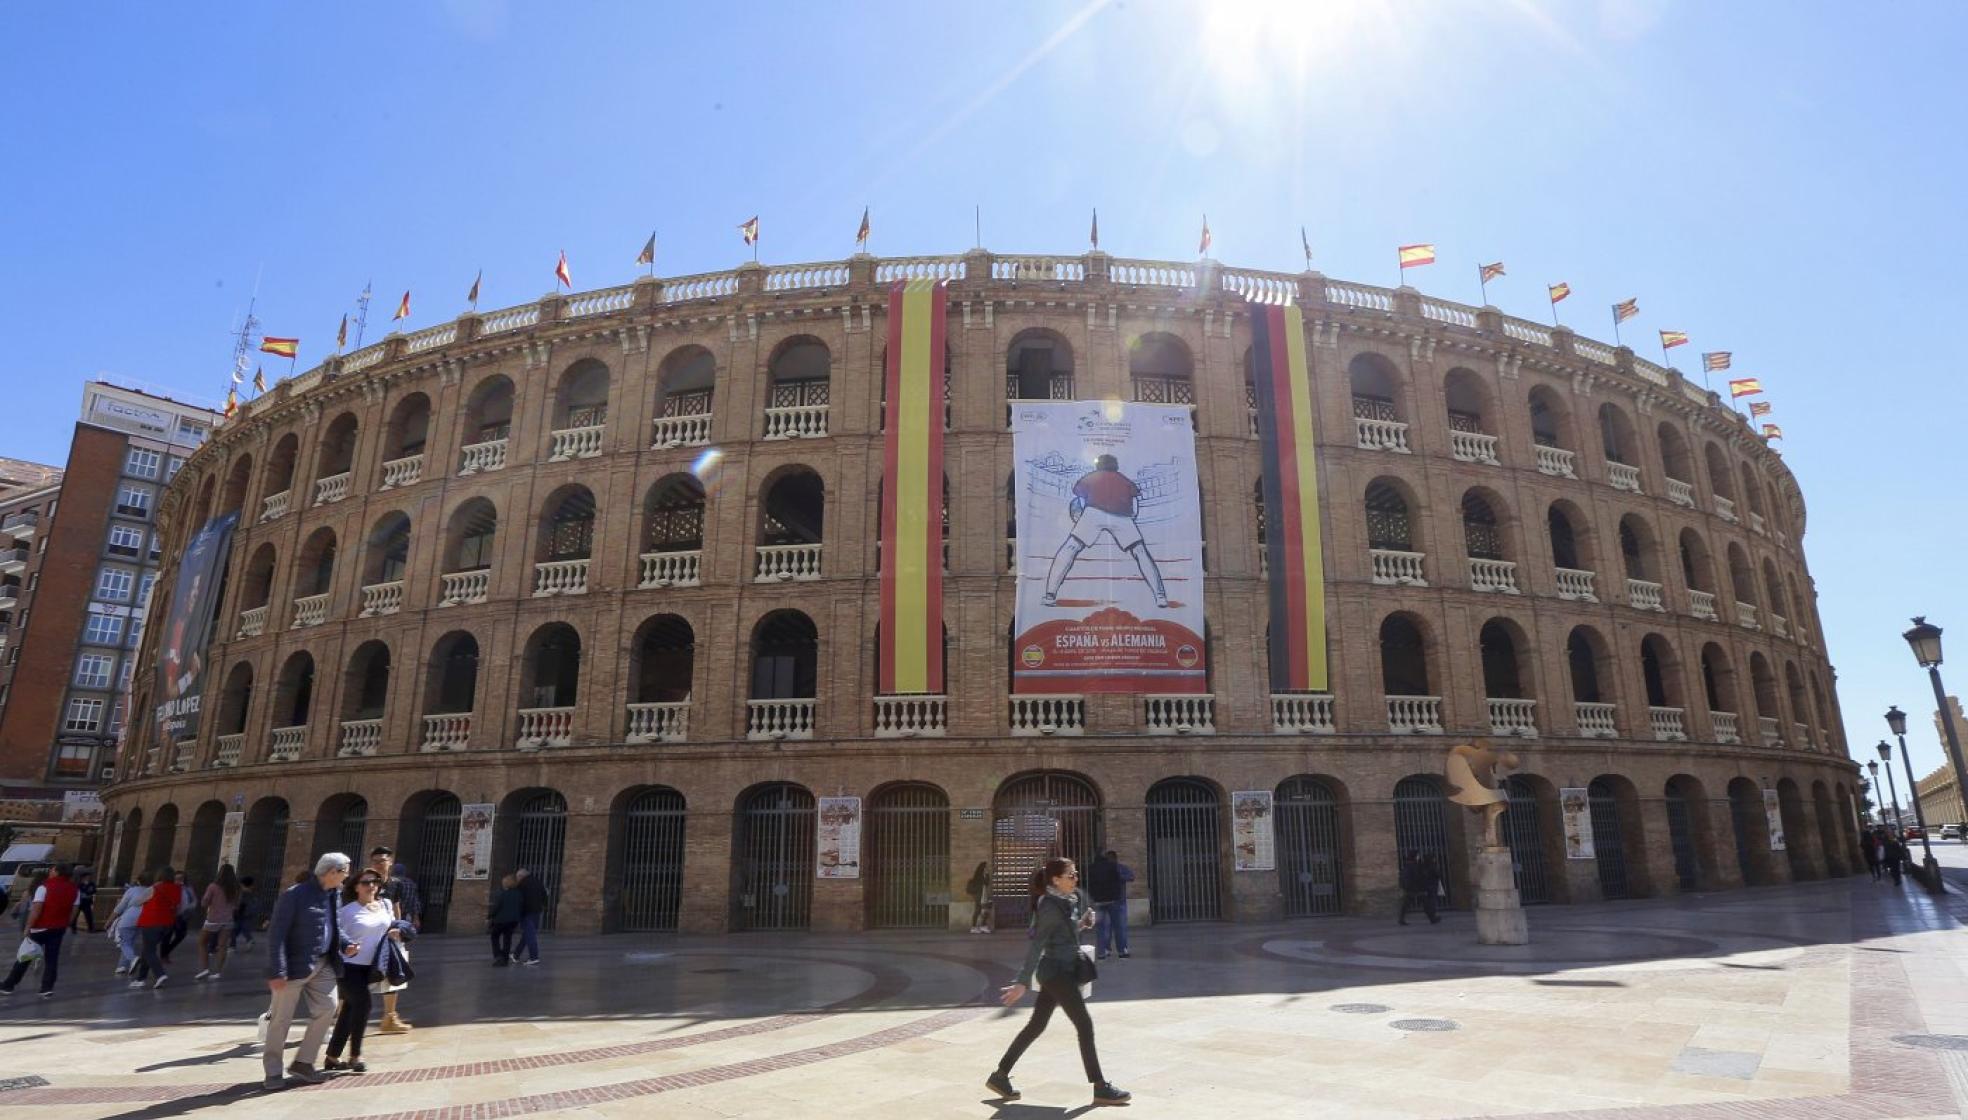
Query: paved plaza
point(1834, 999)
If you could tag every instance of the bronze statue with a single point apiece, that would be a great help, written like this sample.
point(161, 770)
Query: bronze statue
point(1471, 773)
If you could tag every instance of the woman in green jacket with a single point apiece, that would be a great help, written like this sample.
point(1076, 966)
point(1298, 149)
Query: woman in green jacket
point(1058, 919)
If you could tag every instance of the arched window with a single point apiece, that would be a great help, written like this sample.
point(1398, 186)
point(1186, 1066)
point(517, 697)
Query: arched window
point(365, 690)
point(335, 459)
point(469, 540)
point(581, 401)
point(1616, 432)
point(1039, 367)
point(1550, 421)
point(386, 559)
point(799, 389)
point(792, 520)
point(1387, 518)
point(1160, 370)
point(664, 661)
point(280, 476)
point(785, 657)
point(550, 674)
point(567, 525)
point(1503, 675)
point(1680, 466)
point(1763, 683)
point(1719, 480)
point(1379, 419)
point(687, 381)
point(488, 421)
point(451, 686)
point(1697, 567)
point(404, 439)
point(315, 576)
point(236, 700)
point(293, 697)
point(1482, 537)
point(1637, 550)
point(1742, 581)
point(1590, 665)
point(1660, 672)
point(1565, 552)
point(1403, 657)
point(673, 515)
point(258, 589)
point(1719, 690)
point(238, 480)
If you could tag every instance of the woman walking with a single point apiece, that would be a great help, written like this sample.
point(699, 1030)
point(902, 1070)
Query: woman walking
point(503, 918)
point(123, 925)
point(154, 922)
point(221, 903)
point(368, 922)
point(1059, 916)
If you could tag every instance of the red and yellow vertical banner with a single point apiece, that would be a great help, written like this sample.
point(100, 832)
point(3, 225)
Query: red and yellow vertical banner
point(912, 491)
point(1291, 499)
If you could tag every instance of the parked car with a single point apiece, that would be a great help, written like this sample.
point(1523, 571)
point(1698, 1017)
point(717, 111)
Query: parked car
point(1950, 832)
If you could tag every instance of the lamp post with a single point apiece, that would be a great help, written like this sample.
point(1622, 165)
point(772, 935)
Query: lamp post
point(1896, 719)
point(1925, 638)
point(1892, 786)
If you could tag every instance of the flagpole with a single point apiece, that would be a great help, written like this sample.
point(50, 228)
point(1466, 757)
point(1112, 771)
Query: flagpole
point(1483, 283)
point(1616, 326)
point(977, 222)
point(652, 256)
point(1554, 308)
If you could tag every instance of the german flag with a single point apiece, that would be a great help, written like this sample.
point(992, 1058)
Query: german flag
point(1671, 339)
point(285, 347)
point(1291, 499)
point(911, 634)
point(1414, 256)
point(1745, 387)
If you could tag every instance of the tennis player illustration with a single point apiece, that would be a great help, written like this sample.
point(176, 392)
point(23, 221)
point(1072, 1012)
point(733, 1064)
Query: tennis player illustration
point(1104, 502)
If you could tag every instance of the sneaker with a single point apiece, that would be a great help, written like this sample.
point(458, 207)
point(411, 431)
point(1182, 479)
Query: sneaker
point(202, 974)
point(1124, 954)
point(1100, 956)
point(1000, 1083)
point(122, 970)
point(1108, 1093)
point(44, 995)
point(136, 983)
point(301, 1071)
point(216, 976)
point(273, 1084)
point(534, 961)
point(159, 982)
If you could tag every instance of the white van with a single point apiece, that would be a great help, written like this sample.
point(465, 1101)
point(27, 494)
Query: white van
point(20, 862)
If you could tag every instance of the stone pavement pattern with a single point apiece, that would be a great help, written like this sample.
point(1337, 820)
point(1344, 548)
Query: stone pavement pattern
point(1833, 999)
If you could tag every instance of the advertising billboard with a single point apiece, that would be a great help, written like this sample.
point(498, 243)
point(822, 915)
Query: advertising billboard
point(188, 630)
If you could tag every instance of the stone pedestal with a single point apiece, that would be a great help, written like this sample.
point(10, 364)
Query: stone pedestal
point(1499, 914)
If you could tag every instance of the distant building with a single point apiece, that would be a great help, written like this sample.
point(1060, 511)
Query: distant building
point(1940, 795)
point(78, 554)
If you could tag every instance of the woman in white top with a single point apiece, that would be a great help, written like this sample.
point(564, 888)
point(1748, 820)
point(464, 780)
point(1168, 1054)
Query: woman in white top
point(123, 922)
point(366, 923)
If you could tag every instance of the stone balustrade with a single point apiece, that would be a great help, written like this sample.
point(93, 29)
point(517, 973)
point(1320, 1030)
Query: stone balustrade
point(1180, 714)
point(286, 743)
point(403, 472)
point(911, 716)
point(1623, 476)
point(778, 562)
point(1362, 296)
point(1725, 508)
point(576, 443)
point(1381, 435)
point(1726, 728)
point(1645, 595)
point(1391, 567)
point(1048, 714)
point(464, 587)
point(794, 277)
point(560, 577)
point(1414, 715)
point(1302, 713)
point(1575, 585)
point(275, 505)
point(1804, 738)
point(229, 750)
point(481, 458)
point(360, 738)
point(1769, 731)
point(1473, 447)
point(680, 431)
point(1058, 270)
point(659, 721)
point(382, 598)
point(1499, 576)
point(602, 302)
point(545, 727)
point(446, 731)
point(1746, 615)
point(331, 489)
point(310, 610)
point(800, 421)
point(1701, 604)
point(672, 569)
point(252, 622)
point(184, 756)
point(1595, 720)
point(511, 319)
point(1680, 493)
point(1556, 462)
point(1780, 626)
point(1669, 724)
point(1512, 716)
point(1755, 522)
point(780, 719)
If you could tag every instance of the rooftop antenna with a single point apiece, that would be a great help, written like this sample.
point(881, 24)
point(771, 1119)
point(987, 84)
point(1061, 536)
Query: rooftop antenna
point(246, 337)
point(362, 312)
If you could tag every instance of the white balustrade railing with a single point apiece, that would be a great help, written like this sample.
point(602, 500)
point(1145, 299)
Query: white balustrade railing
point(360, 738)
point(230, 749)
point(1668, 724)
point(1623, 476)
point(1746, 615)
point(331, 489)
point(680, 431)
point(1755, 521)
point(545, 727)
point(275, 505)
point(672, 569)
point(661, 721)
point(1595, 720)
point(1414, 715)
point(1645, 595)
point(1392, 567)
point(793, 277)
point(778, 562)
point(1680, 493)
point(780, 719)
point(1473, 447)
point(1493, 575)
point(184, 755)
point(481, 458)
point(1804, 737)
point(382, 598)
point(598, 303)
point(1524, 331)
point(1302, 713)
point(1592, 351)
point(1054, 269)
point(911, 716)
point(1047, 714)
point(1512, 716)
point(1575, 585)
point(1556, 461)
point(464, 587)
point(1701, 604)
point(310, 610)
point(1181, 714)
point(1726, 728)
point(576, 443)
point(286, 743)
point(918, 268)
point(560, 577)
point(1442, 311)
point(403, 472)
point(1648, 371)
point(1780, 626)
point(1768, 731)
point(1261, 287)
point(1159, 274)
point(708, 285)
point(1725, 508)
point(447, 731)
point(357, 362)
point(252, 622)
point(800, 421)
point(511, 319)
point(1381, 435)
point(431, 338)
point(1363, 296)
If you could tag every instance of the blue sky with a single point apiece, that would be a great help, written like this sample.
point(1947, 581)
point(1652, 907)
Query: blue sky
point(1778, 179)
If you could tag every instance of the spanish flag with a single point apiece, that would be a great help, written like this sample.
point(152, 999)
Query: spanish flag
point(1625, 309)
point(1671, 339)
point(341, 333)
point(402, 308)
point(560, 271)
point(1744, 387)
point(1760, 408)
point(861, 234)
point(1771, 431)
point(1292, 546)
point(749, 230)
point(231, 403)
point(1716, 360)
point(911, 633)
point(1414, 256)
point(1559, 291)
point(285, 347)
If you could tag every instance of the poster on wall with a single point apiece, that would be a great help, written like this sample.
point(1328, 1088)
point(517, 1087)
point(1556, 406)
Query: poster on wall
point(115, 845)
point(82, 806)
point(838, 850)
point(1250, 821)
point(1575, 809)
point(1774, 813)
point(1109, 549)
point(474, 843)
point(229, 835)
point(188, 630)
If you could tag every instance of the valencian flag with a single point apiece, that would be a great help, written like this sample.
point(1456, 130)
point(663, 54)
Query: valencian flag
point(1771, 431)
point(285, 347)
point(912, 491)
point(341, 333)
point(1414, 256)
point(402, 308)
point(1760, 408)
point(1559, 291)
point(471, 297)
point(749, 230)
point(1745, 387)
point(648, 254)
point(1625, 309)
point(1291, 499)
point(259, 380)
point(561, 273)
point(1671, 339)
point(861, 234)
point(1716, 360)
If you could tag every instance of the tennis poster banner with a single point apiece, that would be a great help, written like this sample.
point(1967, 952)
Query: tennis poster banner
point(1109, 549)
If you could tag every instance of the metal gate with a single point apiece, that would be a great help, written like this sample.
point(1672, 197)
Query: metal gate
point(1035, 818)
point(908, 852)
point(1421, 824)
point(652, 861)
point(433, 858)
point(775, 859)
point(1608, 840)
point(345, 833)
point(202, 858)
point(1305, 813)
point(1681, 836)
point(263, 854)
point(1184, 852)
point(540, 844)
point(1742, 819)
point(1524, 832)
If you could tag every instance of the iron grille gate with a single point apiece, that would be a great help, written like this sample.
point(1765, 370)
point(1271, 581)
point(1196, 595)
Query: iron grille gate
point(652, 862)
point(347, 833)
point(541, 844)
point(1035, 818)
point(1525, 834)
point(776, 840)
point(909, 859)
point(263, 849)
point(1306, 815)
point(202, 860)
point(1421, 825)
point(1743, 825)
point(1680, 834)
point(434, 859)
point(1608, 841)
point(1827, 832)
point(1790, 812)
point(1184, 853)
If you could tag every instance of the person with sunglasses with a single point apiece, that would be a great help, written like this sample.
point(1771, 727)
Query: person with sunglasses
point(368, 920)
point(1059, 916)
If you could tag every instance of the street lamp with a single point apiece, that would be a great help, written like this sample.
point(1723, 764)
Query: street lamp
point(1886, 755)
point(1896, 719)
point(1925, 638)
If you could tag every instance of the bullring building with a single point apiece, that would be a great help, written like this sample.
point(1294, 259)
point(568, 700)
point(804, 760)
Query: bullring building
point(595, 586)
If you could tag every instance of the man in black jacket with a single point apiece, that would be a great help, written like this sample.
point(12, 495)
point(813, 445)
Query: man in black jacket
point(532, 904)
point(400, 891)
point(1107, 882)
point(1419, 882)
point(305, 947)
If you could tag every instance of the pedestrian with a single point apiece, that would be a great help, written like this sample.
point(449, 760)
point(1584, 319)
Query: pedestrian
point(85, 900)
point(533, 899)
point(368, 921)
point(1894, 855)
point(1419, 883)
point(1107, 882)
point(1869, 848)
point(181, 925)
point(245, 916)
point(50, 906)
point(503, 917)
point(154, 922)
point(26, 904)
point(1053, 962)
point(123, 925)
point(400, 891)
point(305, 951)
point(221, 902)
point(979, 890)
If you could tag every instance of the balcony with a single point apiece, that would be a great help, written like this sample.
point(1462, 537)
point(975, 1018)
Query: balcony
point(287, 743)
point(780, 562)
point(1725, 508)
point(1595, 720)
point(1804, 738)
point(1046, 714)
point(1680, 493)
point(184, 756)
point(780, 719)
point(1555, 461)
point(252, 622)
point(560, 577)
point(1623, 476)
point(1512, 716)
point(1302, 713)
point(10, 594)
point(1180, 714)
point(1414, 715)
point(1575, 585)
point(275, 505)
point(1499, 576)
point(800, 421)
point(481, 458)
point(1393, 568)
point(1644, 595)
point(331, 489)
point(403, 472)
point(672, 569)
point(1381, 435)
point(382, 598)
point(446, 731)
point(1780, 626)
point(545, 727)
point(1746, 615)
point(1701, 604)
point(576, 443)
point(230, 749)
point(680, 431)
point(22, 525)
point(1755, 522)
point(464, 587)
point(911, 716)
point(360, 738)
point(1473, 447)
point(1726, 728)
point(665, 721)
point(1668, 724)
point(310, 610)
point(13, 561)
point(1768, 731)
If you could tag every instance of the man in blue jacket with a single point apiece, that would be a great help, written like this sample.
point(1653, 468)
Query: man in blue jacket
point(305, 948)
